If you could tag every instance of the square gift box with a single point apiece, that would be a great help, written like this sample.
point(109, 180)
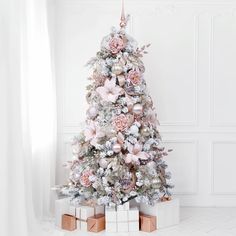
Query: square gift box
point(147, 223)
point(111, 220)
point(96, 223)
point(167, 212)
point(68, 222)
point(84, 212)
point(61, 208)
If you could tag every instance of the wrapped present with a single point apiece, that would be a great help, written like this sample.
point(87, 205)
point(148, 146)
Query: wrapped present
point(61, 208)
point(122, 216)
point(111, 220)
point(124, 207)
point(133, 219)
point(96, 223)
point(147, 223)
point(68, 222)
point(84, 212)
point(166, 212)
point(122, 226)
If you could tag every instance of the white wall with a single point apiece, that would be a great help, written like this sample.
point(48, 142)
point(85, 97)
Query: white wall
point(191, 75)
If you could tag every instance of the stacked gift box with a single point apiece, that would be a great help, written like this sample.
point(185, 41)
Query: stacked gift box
point(123, 218)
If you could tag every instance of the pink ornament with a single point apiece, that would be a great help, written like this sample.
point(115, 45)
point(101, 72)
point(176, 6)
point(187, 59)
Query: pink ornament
point(84, 178)
point(116, 148)
point(121, 122)
point(137, 109)
point(116, 44)
point(134, 77)
point(92, 112)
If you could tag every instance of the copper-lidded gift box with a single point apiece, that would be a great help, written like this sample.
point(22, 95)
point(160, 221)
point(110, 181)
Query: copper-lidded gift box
point(147, 223)
point(96, 223)
point(68, 222)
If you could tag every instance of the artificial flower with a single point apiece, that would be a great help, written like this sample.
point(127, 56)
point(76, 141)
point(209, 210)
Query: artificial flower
point(85, 178)
point(134, 77)
point(116, 44)
point(135, 154)
point(93, 133)
point(109, 92)
point(121, 122)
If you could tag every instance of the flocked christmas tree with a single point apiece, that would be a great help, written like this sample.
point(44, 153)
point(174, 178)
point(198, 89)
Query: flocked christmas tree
point(118, 157)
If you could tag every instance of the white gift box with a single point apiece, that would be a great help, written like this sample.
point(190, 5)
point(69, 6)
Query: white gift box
point(133, 214)
point(111, 227)
point(84, 212)
point(122, 226)
point(124, 207)
point(111, 220)
point(111, 215)
point(167, 213)
point(122, 216)
point(61, 208)
point(133, 226)
point(72, 210)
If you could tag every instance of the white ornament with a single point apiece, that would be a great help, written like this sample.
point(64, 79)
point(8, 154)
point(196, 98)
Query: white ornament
point(121, 80)
point(103, 163)
point(137, 109)
point(92, 112)
point(151, 164)
point(116, 148)
point(117, 69)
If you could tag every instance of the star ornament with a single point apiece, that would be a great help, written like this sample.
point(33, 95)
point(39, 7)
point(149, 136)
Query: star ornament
point(110, 91)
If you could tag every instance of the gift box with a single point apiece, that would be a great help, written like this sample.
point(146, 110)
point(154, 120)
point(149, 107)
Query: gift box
point(124, 207)
point(147, 223)
point(166, 212)
point(122, 220)
point(84, 212)
point(133, 219)
point(68, 222)
point(111, 220)
point(96, 223)
point(61, 208)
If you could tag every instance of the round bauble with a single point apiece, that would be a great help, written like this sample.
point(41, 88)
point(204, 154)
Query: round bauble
point(137, 109)
point(103, 163)
point(117, 69)
point(116, 148)
point(92, 112)
point(145, 131)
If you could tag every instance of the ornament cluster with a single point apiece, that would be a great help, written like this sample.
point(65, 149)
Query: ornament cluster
point(118, 157)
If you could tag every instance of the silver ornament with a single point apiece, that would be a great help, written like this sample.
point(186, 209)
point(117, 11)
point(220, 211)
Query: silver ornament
point(151, 165)
point(117, 69)
point(116, 148)
point(137, 109)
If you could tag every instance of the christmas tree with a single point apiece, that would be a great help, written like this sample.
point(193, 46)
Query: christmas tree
point(118, 157)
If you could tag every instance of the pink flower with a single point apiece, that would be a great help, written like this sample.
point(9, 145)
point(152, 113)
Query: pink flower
point(134, 76)
point(121, 122)
point(84, 178)
point(93, 133)
point(109, 92)
point(116, 44)
point(135, 154)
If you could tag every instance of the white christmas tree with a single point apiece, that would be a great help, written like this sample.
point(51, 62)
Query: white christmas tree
point(117, 157)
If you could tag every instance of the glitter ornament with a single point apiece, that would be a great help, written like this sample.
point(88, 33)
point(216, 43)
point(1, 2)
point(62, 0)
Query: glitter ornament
point(116, 148)
point(137, 109)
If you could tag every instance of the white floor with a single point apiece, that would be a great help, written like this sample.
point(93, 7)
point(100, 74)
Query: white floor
point(194, 222)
